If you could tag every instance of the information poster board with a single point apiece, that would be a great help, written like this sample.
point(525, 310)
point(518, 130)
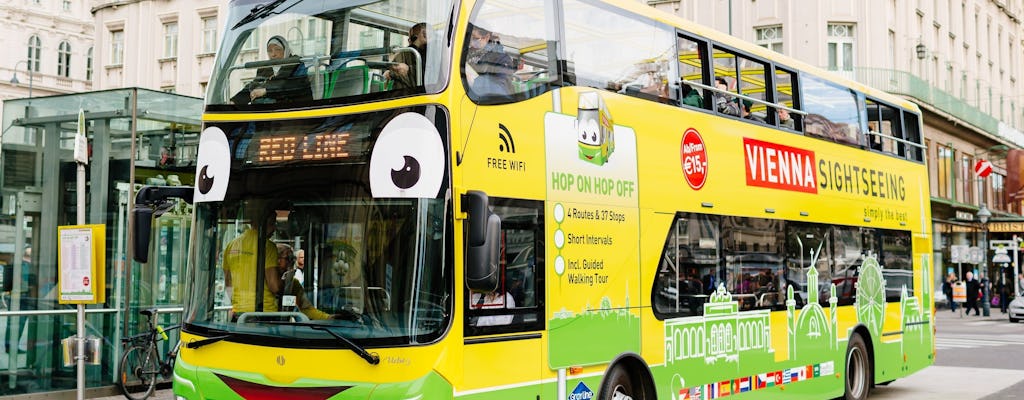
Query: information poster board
point(959, 292)
point(81, 263)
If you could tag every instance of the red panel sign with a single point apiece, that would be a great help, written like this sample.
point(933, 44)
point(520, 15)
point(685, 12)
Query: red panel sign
point(983, 168)
point(694, 159)
point(782, 167)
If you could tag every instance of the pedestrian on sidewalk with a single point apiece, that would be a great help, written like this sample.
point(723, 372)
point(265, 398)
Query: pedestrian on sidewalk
point(947, 289)
point(986, 294)
point(973, 293)
point(1003, 291)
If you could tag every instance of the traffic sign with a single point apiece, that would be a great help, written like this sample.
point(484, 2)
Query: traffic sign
point(982, 168)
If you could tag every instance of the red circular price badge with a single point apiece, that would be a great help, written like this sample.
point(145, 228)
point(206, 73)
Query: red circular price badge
point(85, 281)
point(694, 159)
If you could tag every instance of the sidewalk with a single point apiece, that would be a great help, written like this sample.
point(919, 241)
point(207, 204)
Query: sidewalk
point(160, 394)
point(943, 313)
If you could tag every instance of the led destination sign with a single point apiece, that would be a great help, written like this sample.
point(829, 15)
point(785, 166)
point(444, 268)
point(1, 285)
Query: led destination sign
point(332, 146)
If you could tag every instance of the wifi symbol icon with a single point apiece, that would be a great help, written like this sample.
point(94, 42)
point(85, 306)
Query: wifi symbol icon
point(507, 144)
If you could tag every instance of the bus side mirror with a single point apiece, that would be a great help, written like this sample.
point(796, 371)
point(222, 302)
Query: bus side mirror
point(151, 202)
point(482, 243)
point(143, 217)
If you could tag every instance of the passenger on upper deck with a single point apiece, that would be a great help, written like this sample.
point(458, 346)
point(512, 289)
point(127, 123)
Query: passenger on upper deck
point(405, 70)
point(691, 97)
point(488, 69)
point(283, 81)
point(785, 121)
point(747, 114)
point(724, 103)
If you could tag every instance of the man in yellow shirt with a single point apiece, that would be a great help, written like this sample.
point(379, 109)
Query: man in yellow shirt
point(240, 269)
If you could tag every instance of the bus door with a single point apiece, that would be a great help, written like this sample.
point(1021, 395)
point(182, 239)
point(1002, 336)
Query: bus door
point(503, 328)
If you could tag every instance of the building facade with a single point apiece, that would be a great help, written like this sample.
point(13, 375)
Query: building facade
point(49, 50)
point(134, 138)
point(160, 45)
point(959, 60)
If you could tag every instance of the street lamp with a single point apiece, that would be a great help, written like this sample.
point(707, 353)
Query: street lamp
point(28, 67)
point(921, 51)
point(983, 215)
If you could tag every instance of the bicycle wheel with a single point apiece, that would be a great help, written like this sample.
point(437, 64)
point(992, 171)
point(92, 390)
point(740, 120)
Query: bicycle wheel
point(138, 372)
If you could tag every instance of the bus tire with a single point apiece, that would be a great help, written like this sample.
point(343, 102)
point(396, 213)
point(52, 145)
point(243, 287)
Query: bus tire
point(619, 384)
point(858, 369)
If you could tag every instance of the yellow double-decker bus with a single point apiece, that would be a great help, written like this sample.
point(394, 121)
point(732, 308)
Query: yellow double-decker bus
point(544, 199)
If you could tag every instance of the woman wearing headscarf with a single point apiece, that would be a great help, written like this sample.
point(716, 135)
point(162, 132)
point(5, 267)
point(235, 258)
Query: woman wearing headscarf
point(283, 81)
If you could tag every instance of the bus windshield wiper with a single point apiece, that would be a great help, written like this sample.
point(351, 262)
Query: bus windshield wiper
point(371, 358)
point(210, 340)
point(260, 11)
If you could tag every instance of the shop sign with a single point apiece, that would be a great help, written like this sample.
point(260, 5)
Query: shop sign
point(964, 216)
point(1006, 227)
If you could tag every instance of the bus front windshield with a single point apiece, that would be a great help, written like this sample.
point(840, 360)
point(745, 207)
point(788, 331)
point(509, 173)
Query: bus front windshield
point(310, 243)
point(300, 53)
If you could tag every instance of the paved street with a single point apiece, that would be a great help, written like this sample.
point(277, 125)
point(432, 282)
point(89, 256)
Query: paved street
point(978, 358)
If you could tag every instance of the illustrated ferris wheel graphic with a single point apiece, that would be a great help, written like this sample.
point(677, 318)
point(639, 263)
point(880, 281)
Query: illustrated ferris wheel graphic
point(870, 303)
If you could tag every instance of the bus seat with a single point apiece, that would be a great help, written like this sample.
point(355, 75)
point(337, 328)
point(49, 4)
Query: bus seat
point(346, 81)
point(379, 84)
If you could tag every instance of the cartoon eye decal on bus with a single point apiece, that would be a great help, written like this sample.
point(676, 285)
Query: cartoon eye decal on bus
point(213, 166)
point(594, 129)
point(407, 159)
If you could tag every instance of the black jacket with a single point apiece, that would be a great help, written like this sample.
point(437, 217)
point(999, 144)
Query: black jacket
point(289, 84)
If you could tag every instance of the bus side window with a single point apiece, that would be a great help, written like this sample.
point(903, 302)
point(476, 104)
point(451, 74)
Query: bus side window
point(631, 55)
point(785, 88)
point(506, 55)
point(754, 261)
point(517, 303)
point(885, 131)
point(832, 111)
point(689, 269)
point(912, 132)
point(691, 70)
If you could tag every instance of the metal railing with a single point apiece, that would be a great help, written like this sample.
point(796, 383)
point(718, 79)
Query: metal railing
point(908, 84)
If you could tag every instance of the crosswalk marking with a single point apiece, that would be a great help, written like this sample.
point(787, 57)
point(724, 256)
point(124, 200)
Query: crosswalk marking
point(996, 323)
point(969, 343)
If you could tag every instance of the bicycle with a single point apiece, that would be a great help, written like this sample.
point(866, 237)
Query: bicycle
point(141, 363)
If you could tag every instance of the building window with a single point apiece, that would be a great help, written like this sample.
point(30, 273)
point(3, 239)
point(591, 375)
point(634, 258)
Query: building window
point(88, 65)
point(171, 40)
point(967, 179)
point(769, 37)
point(35, 46)
point(209, 35)
point(116, 47)
point(169, 89)
point(64, 59)
point(943, 168)
point(999, 192)
point(252, 42)
point(840, 47)
point(67, 5)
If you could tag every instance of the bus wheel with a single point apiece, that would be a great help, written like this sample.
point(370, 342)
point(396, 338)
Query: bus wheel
point(858, 369)
point(619, 386)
